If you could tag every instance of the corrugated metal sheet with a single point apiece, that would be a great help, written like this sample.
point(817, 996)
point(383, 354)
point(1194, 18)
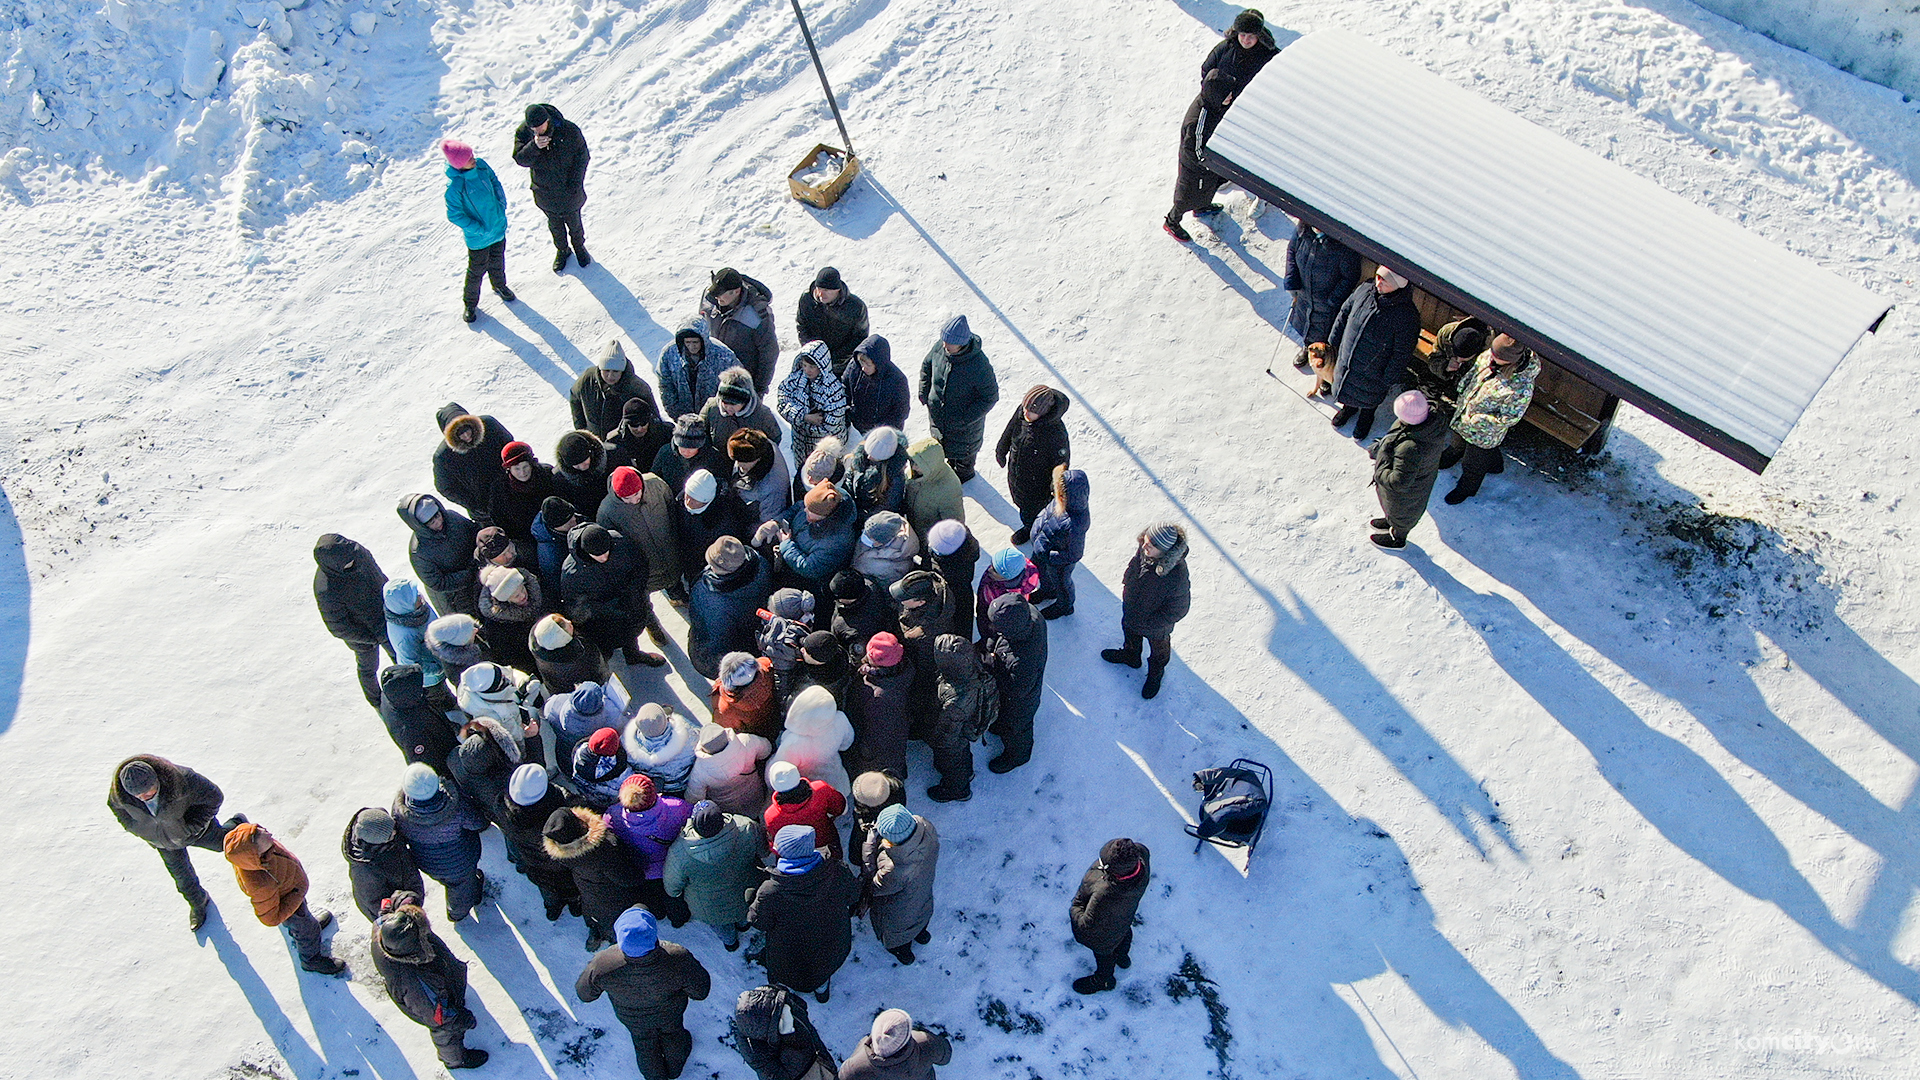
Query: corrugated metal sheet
point(1684, 313)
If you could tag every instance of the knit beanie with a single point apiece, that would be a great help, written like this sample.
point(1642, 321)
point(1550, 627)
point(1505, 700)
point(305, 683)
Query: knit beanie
point(848, 584)
point(883, 528)
point(137, 777)
point(794, 841)
point(702, 487)
point(459, 154)
point(828, 278)
point(605, 742)
point(555, 512)
point(783, 776)
point(892, 1031)
point(626, 482)
point(956, 331)
point(595, 540)
point(1411, 407)
point(1392, 277)
point(636, 931)
point(819, 646)
point(373, 826)
point(881, 443)
point(707, 819)
point(589, 698)
point(726, 555)
point(515, 452)
point(1009, 563)
point(553, 632)
point(714, 738)
point(652, 719)
point(612, 357)
point(637, 794)
point(823, 499)
point(453, 631)
point(946, 536)
point(537, 114)
point(419, 783)
point(527, 785)
point(1164, 535)
point(895, 823)
point(575, 449)
point(870, 789)
point(792, 605)
point(884, 650)
point(638, 412)
point(738, 669)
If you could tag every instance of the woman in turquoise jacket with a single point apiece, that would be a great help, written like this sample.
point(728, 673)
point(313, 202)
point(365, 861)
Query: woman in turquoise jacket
point(478, 204)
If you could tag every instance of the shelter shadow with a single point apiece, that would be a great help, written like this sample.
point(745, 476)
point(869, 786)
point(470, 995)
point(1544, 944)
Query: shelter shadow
point(16, 611)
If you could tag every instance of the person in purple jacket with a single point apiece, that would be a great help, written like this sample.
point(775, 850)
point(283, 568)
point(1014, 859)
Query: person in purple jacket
point(647, 824)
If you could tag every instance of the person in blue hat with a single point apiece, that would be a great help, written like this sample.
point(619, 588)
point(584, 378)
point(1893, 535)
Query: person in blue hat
point(650, 982)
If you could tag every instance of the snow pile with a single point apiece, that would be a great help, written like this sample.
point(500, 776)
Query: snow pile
point(1870, 38)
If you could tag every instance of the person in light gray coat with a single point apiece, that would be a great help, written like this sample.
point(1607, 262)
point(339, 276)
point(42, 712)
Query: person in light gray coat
point(715, 866)
point(897, 870)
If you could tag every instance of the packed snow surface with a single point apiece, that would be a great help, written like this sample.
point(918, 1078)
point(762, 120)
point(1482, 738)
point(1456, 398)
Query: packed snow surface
point(1612, 773)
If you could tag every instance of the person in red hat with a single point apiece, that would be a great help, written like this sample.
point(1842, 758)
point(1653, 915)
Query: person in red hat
point(877, 705)
point(514, 498)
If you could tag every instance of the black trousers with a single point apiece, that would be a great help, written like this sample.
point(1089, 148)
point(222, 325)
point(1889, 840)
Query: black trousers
point(366, 664)
point(1103, 965)
point(181, 868)
point(568, 231)
point(953, 757)
point(1193, 186)
point(1475, 463)
point(1160, 649)
point(662, 1052)
point(489, 262)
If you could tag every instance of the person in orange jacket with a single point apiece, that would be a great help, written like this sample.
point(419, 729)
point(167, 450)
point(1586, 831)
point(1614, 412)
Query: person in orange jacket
point(277, 884)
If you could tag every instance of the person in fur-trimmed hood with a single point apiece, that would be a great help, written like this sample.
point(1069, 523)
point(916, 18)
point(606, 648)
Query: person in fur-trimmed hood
point(735, 406)
point(1155, 594)
point(647, 823)
point(650, 982)
point(481, 765)
point(468, 458)
point(441, 552)
point(660, 743)
point(426, 982)
point(378, 862)
point(689, 370)
point(745, 698)
point(172, 808)
point(530, 800)
point(610, 878)
point(1060, 541)
point(737, 311)
point(1031, 446)
point(277, 884)
point(726, 770)
point(600, 395)
point(714, 865)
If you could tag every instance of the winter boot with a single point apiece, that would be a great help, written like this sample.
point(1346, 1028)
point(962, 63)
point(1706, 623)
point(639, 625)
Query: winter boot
point(470, 313)
point(637, 655)
point(1302, 362)
point(1093, 984)
point(1172, 225)
point(1152, 685)
point(1056, 611)
point(506, 294)
point(559, 261)
point(1120, 656)
point(1125, 959)
point(825, 993)
point(1006, 763)
point(1380, 523)
point(555, 908)
point(197, 912)
point(904, 954)
point(942, 793)
point(1041, 595)
point(580, 255)
point(925, 938)
point(1456, 497)
point(1021, 536)
point(323, 917)
point(473, 1059)
point(1387, 540)
point(1363, 426)
point(324, 965)
point(1344, 414)
point(1209, 210)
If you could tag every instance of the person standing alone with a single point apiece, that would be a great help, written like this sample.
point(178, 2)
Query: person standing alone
point(551, 148)
point(1232, 64)
point(478, 204)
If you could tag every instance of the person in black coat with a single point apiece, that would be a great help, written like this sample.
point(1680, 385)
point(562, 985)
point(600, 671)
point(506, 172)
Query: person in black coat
point(468, 458)
point(688, 451)
point(426, 982)
point(638, 439)
point(600, 395)
point(552, 149)
point(441, 552)
point(415, 724)
point(806, 910)
point(1032, 444)
point(772, 1032)
point(484, 761)
point(563, 659)
point(580, 476)
point(379, 863)
point(958, 386)
point(829, 312)
point(603, 589)
point(529, 802)
point(172, 808)
point(1155, 594)
point(516, 495)
point(1103, 909)
point(877, 706)
point(723, 606)
point(877, 390)
point(607, 872)
point(1321, 273)
point(1242, 52)
point(1017, 654)
point(650, 981)
point(706, 511)
point(347, 586)
point(859, 612)
point(1372, 342)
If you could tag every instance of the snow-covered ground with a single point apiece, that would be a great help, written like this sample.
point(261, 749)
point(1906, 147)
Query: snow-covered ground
point(1591, 781)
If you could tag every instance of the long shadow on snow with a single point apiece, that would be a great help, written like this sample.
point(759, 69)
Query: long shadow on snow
point(16, 611)
point(351, 1040)
point(1298, 639)
point(539, 362)
point(1271, 302)
point(626, 311)
point(1714, 684)
point(294, 1049)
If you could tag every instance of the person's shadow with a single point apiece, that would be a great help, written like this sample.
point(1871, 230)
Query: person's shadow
point(300, 1055)
point(538, 362)
point(16, 607)
point(350, 1038)
point(626, 311)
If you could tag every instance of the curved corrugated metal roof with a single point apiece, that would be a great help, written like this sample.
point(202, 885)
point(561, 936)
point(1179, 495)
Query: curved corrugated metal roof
point(1652, 297)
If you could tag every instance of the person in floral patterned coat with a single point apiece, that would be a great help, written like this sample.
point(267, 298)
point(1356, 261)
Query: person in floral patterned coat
point(1494, 395)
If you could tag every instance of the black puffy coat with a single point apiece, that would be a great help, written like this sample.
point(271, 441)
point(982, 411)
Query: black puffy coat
point(1030, 451)
point(637, 449)
point(808, 920)
point(957, 570)
point(521, 827)
point(568, 666)
point(877, 706)
point(650, 993)
point(856, 621)
point(188, 804)
point(347, 585)
point(881, 399)
point(465, 478)
point(584, 488)
point(513, 505)
point(612, 592)
point(609, 874)
point(669, 466)
point(559, 172)
point(1228, 68)
point(841, 324)
point(694, 533)
point(420, 730)
point(1152, 602)
point(444, 559)
point(1321, 273)
point(377, 871)
point(958, 389)
point(1372, 341)
point(1406, 462)
point(598, 406)
point(431, 989)
point(1103, 909)
point(770, 1054)
point(1019, 647)
point(722, 612)
point(480, 769)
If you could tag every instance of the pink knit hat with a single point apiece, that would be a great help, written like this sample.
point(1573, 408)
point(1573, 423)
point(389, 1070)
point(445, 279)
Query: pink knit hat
point(1411, 407)
point(459, 154)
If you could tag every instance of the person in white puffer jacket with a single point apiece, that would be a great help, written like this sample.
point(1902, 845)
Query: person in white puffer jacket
point(727, 771)
point(816, 733)
point(661, 743)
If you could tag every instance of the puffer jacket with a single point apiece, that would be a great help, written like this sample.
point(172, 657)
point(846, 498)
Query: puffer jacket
point(1031, 450)
point(958, 391)
point(667, 758)
point(377, 871)
point(888, 563)
point(455, 641)
point(1019, 650)
point(1406, 462)
point(444, 559)
point(610, 878)
point(680, 395)
point(1372, 340)
point(558, 172)
point(933, 491)
point(568, 666)
point(899, 880)
point(1490, 404)
point(731, 778)
point(808, 920)
point(648, 833)
point(477, 204)
point(483, 762)
point(419, 728)
point(800, 395)
point(771, 1028)
point(816, 734)
point(748, 329)
point(817, 550)
point(613, 592)
point(817, 810)
point(876, 485)
point(717, 873)
point(1103, 908)
point(188, 803)
point(841, 324)
point(443, 833)
point(881, 399)
point(347, 586)
point(753, 709)
point(273, 879)
point(599, 406)
point(1321, 274)
point(1155, 596)
point(596, 779)
point(1062, 537)
point(723, 612)
point(877, 705)
point(569, 724)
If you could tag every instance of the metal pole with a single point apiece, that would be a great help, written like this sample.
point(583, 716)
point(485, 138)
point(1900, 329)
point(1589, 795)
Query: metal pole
point(824, 85)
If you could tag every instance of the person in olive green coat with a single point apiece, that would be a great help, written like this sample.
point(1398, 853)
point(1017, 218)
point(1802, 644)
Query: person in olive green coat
point(715, 866)
point(1406, 462)
point(958, 387)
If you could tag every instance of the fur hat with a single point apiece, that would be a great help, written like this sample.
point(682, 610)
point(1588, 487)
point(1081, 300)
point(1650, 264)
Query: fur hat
point(605, 742)
point(491, 543)
point(652, 719)
point(552, 632)
point(1249, 21)
point(636, 931)
point(459, 154)
point(795, 841)
point(595, 540)
point(612, 357)
point(828, 278)
point(464, 432)
point(848, 584)
point(701, 486)
point(881, 443)
point(507, 583)
point(689, 431)
point(556, 512)
point(419, 782)
point(373, 826)
point(725, 279)
point(1410, 407)
point(871, 788)
point(895, 823)
point(714, 738)
point(527, 785)
point(514, 453)
point(956, 331)
point(884, 650)
point(883, 528)
point(1009, 563)
point(892, 1031)
point(783, 776)
point(946, 536)
point(792, 605)
point(637, 794)
point(726, 555)
point(823, 499)
point(749, 445)
point(736, 386)
point(707, 819)
point(739, 669)
point(577, 448)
